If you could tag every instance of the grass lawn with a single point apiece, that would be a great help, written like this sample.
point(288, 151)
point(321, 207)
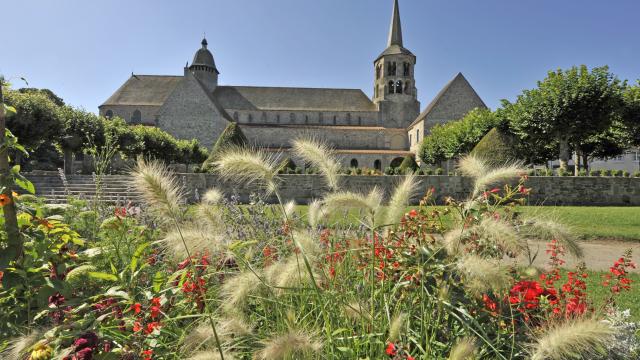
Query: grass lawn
point(626, 300)
point(588, 222)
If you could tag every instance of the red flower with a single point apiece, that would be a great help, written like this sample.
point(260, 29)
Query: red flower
point(120, 212)
point(137, 326)
point(391, 350)
point(56, 300)
point(413, 213)
point(489, 303)
point(147, 354)
point(409, 357)
point(156, 301)
point(136, 308)
point(155, 312)
point(151, 327)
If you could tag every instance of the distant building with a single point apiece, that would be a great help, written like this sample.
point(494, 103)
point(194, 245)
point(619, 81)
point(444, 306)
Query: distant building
point(365, 132)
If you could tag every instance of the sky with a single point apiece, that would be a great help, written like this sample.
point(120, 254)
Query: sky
point(84, 50)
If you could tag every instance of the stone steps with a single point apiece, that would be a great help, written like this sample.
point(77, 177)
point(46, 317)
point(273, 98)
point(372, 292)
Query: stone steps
point(114, 188)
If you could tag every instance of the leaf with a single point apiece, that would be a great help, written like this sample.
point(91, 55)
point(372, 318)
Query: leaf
point(103, 276)
point(158, 280)
point(9, 110)
point(114, 291)
point(26, 185)
point(136, 256)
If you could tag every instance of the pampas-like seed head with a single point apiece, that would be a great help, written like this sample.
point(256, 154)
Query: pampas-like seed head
point(316, 213)
point(482, 275)
point(196, 238)
point(79, 274)
point(571, 340)
point(305, 240)
point(249, 166)
point(289, 209)
point(18, 348)
point(159, 188)
point(202, 337)
point(321, 156)
point(465, 349)
point(540, 228)
point(496, 176)
point(355, 311)
point(293, 343)
point(472, 166)
point(213, 196)
point(236, 290)
point(210, 355)
point(350, 200)
point(500, 233)
point(400, 199)
point(396, 327)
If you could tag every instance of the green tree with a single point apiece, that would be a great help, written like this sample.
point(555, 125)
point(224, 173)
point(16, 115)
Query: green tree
point(408, 163)
point(231, 136)
point(456, 138)
point(631, 118)
point(85, 126)
point(497, 148)
point(46, 92)
point(568, 107)
point(37, 118)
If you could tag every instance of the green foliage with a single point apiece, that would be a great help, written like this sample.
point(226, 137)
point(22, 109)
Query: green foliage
point(496, 148)
point(636, 174)
point(46, 92)
point(409, 163)
point(605, 172)
point(439, 171)
point(582, 172)
point(626, 174)
point(288, 166)
point(593, 172)
point(389, 171)
point(617, 173)
point(231, 136)
point(37, 119)
point(565, 111)
point(631, 118)
point(456, 138)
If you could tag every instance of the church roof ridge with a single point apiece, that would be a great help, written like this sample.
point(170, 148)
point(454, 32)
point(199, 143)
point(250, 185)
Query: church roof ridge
point(291, 87)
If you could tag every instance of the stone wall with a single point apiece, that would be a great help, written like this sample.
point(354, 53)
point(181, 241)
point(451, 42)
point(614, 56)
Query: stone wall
point(601, 191)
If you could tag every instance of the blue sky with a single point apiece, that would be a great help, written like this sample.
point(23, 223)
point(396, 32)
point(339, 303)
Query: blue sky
point(84, 50)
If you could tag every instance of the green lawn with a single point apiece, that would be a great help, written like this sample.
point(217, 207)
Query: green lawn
point(588, 222)
point(626, 300)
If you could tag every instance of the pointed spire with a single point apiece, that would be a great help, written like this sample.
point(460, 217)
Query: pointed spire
point(204, 43)
point(395, 33)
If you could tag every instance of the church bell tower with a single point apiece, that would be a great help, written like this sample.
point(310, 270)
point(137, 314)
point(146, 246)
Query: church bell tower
point(395, 90)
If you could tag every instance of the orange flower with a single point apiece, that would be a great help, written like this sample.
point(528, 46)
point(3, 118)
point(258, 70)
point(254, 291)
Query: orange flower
point(5, 200)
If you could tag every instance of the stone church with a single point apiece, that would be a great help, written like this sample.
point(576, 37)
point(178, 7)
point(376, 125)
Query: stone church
point(371, 133)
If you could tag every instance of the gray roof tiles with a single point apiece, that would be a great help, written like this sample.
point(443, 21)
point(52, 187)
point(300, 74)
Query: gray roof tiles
point(144, 90)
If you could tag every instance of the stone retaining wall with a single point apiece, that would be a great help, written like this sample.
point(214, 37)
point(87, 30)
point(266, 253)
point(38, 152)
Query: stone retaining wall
point(601, 191)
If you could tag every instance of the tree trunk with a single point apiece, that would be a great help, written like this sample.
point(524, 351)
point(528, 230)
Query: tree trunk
point(564, 153)
point(585, 162)
point(14, 241)
point(576, 164)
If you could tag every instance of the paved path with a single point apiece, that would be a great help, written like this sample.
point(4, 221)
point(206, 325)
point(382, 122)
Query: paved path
point(598, 255)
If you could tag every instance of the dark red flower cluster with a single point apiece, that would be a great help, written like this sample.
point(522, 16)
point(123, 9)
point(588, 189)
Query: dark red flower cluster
point(194, 286)
point(526, 295)
point(84, 347)
point(149, 321)
point(396, 352)
point(617, 279)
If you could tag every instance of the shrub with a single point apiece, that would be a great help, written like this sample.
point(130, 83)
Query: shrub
point(420, 172)
point(389, 170)
point(409, 162)
point(636, 174)
point(496, 148)
point(299, 170)
point(288, 166)
point(626, 174)
point(616, 173)
point(562, 172)
point(358, 171)
point(439, 171)
point(428, 171)
point(231, 136)
point(582, 172)
point(593, 172)
point(605, 172)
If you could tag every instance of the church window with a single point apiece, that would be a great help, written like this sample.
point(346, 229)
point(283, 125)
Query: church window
point(249, 118)
point(399, 87)
point(359, 120)
point(236, 117)
point(377, 165)
point(375, 91)
point(407, 69)
point(335, 120)
point(278, 118)
point(391, 69)
point(108, 114)
point(417, 135)
point(354, 163)
point(349, 118)
point(306, 119)
point(320, 118)
point(136, 118)
point(391, 87)
point(378, 72)
point(406, 87)
point(292, 118)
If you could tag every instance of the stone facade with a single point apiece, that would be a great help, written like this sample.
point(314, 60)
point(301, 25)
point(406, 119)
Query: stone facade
point(548, 191)
point(377, 130)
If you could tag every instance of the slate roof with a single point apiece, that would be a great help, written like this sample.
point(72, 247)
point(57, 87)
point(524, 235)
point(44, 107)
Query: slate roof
point(144, 90)
point(295, 99)
point(458, 80)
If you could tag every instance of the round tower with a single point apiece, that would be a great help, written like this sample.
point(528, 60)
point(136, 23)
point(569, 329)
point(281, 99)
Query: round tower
point(204, 67)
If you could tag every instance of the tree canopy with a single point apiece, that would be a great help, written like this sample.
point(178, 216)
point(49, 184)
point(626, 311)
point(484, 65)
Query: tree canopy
point(231, 136)
point(37, 118)
point(456, 138)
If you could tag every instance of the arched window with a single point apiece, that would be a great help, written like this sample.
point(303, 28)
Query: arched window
point(359, 120)
point(399, 87)
point(335, 120)
point(264, 117)
point(377, 165)
point(406, 87)
point(278, 118)
point(292, 118)
point(417, 135)
point(410, 139)
point(320, 118)
point(349, 118)
point(354, 163)
point(375, 91)
point(108, 114)
point(236, 117)
point(249, 118)
point(391, 87)
point(378, 72)
point(306, 119)
point(136, 118)
point(407, 69)
point(391, 69)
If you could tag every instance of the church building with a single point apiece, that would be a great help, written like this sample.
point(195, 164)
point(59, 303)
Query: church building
point(371, 133)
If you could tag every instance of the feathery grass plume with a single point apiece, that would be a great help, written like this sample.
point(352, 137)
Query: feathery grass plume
point(289, 209)
point(304, 240)
point(159, 188)
point(540, 228)
point(400, 199)
point(196, 238)
point(79, 274)
point(482, 275)
point(452, 240)
point(496, 176)
point(212, 216)
point(291, 273)
point(19, 348)
point(210, 355)
point(236, 290)
point(213, 196)
point(355, 311)
point(316, 213)
point(202, 337)
point(472, 166)
point(465, 349)
point(234, 325)
point(500, 233)
point(296, 343)
point(350, 200)
point(249, 166)
point(396, 326)
point(321, 156)
point(573, 339)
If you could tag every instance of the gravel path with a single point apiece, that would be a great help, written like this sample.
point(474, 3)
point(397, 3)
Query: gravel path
point(598, 255)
